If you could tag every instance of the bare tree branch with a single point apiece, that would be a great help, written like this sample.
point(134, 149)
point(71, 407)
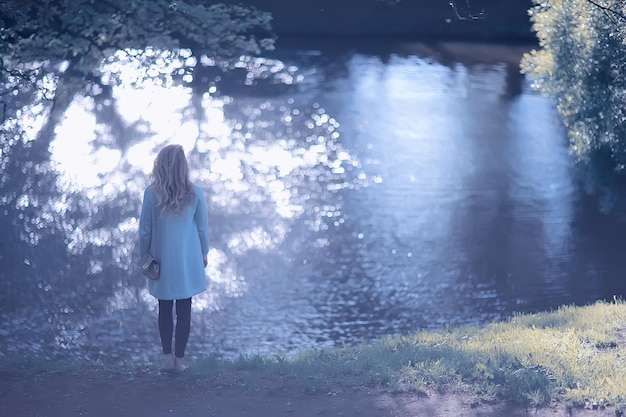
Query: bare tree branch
point(610, 9)
point(469, 15)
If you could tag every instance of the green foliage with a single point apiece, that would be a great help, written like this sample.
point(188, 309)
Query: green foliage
point(84, 32)
point(66, 29)
point(582, 65)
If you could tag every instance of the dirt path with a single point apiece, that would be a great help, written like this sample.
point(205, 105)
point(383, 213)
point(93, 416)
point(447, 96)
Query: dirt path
point(102, 394)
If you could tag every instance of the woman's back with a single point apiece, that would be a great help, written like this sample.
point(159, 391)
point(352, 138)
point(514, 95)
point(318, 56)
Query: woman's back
point(181, 239)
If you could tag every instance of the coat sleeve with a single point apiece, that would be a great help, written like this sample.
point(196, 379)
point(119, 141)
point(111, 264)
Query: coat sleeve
point(201, 218)
point(145, 222)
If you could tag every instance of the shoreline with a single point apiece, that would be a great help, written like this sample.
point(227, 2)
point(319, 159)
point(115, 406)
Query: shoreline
point(566, 361)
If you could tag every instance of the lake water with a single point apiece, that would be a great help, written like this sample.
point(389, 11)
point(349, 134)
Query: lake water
point(355, 192)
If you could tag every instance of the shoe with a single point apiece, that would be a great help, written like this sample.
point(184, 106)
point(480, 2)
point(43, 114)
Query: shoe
point(168, 364)
point(179, 365)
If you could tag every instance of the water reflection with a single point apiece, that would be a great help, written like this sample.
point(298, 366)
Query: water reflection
point(352, 195)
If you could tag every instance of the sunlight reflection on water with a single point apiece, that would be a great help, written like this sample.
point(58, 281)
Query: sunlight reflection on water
point(350, 197)
point(245, 163)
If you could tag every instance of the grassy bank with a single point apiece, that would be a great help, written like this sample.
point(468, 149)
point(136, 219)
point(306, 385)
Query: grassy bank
point(573, 356)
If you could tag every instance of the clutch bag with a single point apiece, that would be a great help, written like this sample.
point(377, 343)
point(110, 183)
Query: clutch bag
point(150, 266)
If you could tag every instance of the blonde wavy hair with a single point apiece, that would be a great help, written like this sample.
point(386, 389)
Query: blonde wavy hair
point(170, 179)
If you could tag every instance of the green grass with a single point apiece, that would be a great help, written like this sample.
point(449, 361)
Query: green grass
point(573, 356)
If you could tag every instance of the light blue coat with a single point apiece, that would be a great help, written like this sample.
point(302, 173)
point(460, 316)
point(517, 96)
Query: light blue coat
point(181, 241)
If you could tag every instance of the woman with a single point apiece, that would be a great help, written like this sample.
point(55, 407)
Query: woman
point(181, 245)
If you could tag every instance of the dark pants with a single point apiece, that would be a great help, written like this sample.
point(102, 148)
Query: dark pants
point(166, 325)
